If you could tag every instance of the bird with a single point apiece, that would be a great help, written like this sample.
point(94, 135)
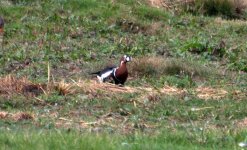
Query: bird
point(118, 74)
point(1, 25)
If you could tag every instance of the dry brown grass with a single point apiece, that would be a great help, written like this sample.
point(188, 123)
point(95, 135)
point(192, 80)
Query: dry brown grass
point(221, 21)
point(242, 123)
point(168, 3)
point(65, 88)
point(156, 3)
point(94, 86)
point(169, 90)
point(210, 93)
point(22, 116)
point(152, 94)
point(19, 116)
point(3, 114)
point(10, 85)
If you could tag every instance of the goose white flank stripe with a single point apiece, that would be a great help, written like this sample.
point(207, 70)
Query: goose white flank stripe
point(104, 75)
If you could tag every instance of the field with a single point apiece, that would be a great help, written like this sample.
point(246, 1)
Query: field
point(187, 85)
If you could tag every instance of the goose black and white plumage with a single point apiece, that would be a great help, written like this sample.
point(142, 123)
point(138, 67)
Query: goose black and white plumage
point(118, 74)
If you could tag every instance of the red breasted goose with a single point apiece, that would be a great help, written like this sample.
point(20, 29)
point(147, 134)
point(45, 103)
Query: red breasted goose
point(1, 25)
point(119, 74)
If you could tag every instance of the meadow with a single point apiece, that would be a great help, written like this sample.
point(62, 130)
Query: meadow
point(187, 85)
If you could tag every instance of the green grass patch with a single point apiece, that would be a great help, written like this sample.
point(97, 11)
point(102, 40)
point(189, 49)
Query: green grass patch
point(74, 140)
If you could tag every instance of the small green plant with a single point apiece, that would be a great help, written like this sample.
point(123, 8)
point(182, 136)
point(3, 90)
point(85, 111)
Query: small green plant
point(204, 47)
point(148, 13)
point(237, 60)
point(180, 82)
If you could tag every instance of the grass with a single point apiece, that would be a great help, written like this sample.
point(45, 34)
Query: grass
point(75, 140)
point(158, 66)
point(173, 98)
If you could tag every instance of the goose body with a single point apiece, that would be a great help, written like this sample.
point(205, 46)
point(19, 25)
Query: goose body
point(118, 74)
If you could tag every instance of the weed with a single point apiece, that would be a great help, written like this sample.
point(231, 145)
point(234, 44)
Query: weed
point(237, 62)
point(205, 48)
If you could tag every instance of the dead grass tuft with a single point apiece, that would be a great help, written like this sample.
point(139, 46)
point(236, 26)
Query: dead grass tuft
point(221, 21)
point(156, 3)
point(94, 86)
point(3, 114)
point(210, 93)
point(65, 88)
point(107, 89)
point(22, 116)
point(239, 95)
point(173, 90)
point(169, 4)
point(242, 123)
point(10, 85)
